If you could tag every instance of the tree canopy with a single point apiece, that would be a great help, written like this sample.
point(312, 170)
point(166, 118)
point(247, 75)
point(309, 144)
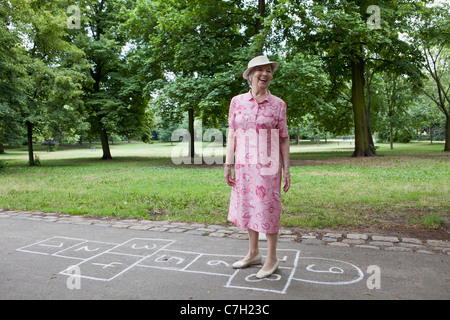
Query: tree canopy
point(87, 69)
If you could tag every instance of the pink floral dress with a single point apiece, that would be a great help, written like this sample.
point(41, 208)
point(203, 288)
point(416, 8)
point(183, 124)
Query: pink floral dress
point(255, 201)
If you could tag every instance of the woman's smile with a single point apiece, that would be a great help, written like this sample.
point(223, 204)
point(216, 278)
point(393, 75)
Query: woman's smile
point(262, 75)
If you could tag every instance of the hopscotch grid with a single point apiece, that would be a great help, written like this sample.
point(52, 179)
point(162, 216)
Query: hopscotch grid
point(40, 243)
point(146, 257)
point(82, 276)
point(178, 269)
point(231, 276)
point(57, 254)
point(291, 276)
point(118, 253)
point(252, 288)
point(199, 255)
point(360, 273)
point(193, 260)
point(283, 291)
point(209, 254)
point(126, 254)
point(288, 282)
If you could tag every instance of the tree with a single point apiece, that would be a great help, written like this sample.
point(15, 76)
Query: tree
point(11, 130)
point(303, 83)
point(192, 47)
point(339, 33)
point(397, 97)
point(12, 73)
point(113, 92)
point(49, 77)
point(425, 116)
point(431, 34)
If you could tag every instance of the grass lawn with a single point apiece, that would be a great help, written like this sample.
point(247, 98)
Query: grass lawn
point(407, 186)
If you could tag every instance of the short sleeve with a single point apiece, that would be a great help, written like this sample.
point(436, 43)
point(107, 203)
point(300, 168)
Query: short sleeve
point(282, 122)
point(232, 115)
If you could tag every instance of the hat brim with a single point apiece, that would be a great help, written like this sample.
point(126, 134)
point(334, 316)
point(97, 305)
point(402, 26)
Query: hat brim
point(273, 63)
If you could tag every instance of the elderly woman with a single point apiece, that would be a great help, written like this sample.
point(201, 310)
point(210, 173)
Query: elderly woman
point(257, 128)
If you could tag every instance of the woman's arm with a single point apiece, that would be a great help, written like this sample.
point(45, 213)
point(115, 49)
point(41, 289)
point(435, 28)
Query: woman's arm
point(284, 145)
point(229, 158)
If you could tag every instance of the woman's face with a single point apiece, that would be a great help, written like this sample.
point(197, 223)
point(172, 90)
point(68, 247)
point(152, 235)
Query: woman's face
point(262, 75)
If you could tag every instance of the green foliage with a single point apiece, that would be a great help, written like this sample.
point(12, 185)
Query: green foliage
point(44, 71)
point(337, 33)
point(134, 61)
point(192, 47)
point(431, 34)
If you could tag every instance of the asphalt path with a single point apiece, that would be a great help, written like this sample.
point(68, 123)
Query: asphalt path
point(48, 260)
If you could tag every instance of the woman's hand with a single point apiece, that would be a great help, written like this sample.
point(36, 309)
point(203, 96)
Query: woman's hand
point(284, 143)
point(228, 175)
point(286, 179)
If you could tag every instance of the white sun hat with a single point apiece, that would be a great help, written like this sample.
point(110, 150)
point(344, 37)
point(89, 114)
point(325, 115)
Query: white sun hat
point(259, 61)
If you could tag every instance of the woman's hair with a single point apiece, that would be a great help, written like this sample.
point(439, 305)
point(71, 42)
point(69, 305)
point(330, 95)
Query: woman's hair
point(249, 77)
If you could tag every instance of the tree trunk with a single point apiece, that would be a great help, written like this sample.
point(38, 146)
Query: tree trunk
point(391, 137)
point(259, 25)
point(447, 133)
point(362, 142)
point(30, 143)
point(262, 13)
point(104, 140)
point(431, 135)
point(369, 104)
point(191, 133)
point(2, 149)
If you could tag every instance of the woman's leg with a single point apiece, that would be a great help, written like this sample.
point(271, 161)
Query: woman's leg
point(253, 238)
point(271, 258)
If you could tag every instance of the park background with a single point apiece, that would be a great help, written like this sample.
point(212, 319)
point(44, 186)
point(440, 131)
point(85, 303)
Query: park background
point(366, 84)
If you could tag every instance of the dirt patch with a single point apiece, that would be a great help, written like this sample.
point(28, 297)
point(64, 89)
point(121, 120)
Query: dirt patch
point(156, 214)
